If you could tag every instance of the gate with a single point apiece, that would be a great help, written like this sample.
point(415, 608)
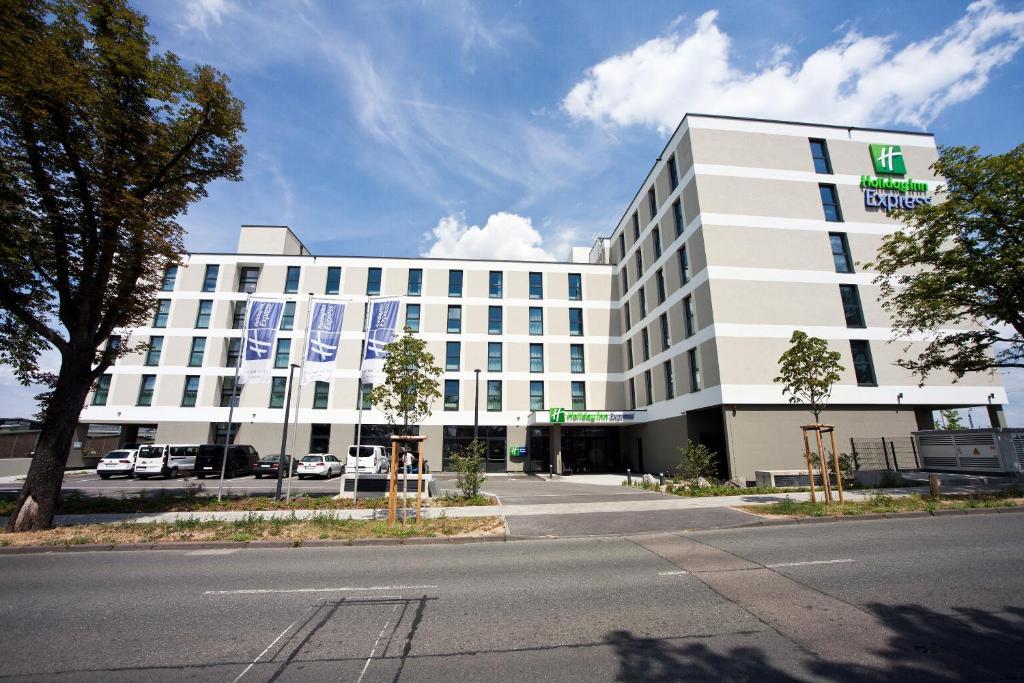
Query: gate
point(885, 453)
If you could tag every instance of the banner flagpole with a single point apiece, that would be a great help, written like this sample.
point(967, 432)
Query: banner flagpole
point(359, 398)
point(234, 399)
point(298, 398)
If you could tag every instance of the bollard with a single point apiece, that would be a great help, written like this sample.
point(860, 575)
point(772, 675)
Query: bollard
point(933, 485)
point(661, 478)
point(551, 471)
point(629, 478)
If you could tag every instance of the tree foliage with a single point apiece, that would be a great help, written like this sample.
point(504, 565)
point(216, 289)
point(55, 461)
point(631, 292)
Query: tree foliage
point(695, 461)
point(950, 419)
point(411, 381)
point(808, 370)
point(103, 145)
point(959, 263)
point(468, 465)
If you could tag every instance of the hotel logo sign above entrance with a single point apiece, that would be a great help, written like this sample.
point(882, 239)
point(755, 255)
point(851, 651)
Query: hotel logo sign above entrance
point(888, 159)
point(563, 416)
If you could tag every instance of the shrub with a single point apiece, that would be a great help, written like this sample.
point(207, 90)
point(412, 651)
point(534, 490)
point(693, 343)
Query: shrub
point(696, 460)
point(468, 465)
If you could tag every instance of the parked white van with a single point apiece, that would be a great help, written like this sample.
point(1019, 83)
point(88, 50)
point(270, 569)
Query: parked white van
point(372, 460)
point(165, 460)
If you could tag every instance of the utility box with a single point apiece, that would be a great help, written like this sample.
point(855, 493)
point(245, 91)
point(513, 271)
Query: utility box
point(991, 451)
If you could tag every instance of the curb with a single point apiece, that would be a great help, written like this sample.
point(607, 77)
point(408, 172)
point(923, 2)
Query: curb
point(873, 516)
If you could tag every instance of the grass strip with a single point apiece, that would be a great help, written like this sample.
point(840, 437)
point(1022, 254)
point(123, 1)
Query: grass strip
point(253, 528)
point(880, 503)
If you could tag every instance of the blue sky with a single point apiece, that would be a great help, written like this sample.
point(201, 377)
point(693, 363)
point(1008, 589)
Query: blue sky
point(514, 129)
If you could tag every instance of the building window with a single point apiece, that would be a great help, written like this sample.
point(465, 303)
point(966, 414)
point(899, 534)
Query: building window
point(321, 395)
point(451, 394)
point(536, 358)
point(210, 278)
point(652, 202)
point(673, 173)
point(638, 259)
point(373, 281)
point(412, 317)
point(636, 226)
point(146, 386)
point(688, 319)
point(536, 286)
point(819, 152)
point(536, 320)
point(841, 252)
point(291, 280)
point(113, 343)
point(660, 281)
point(455, 319)
point(649, 387)
point(163, 312)
point(223, 430)
point(632, 393)
point(248, 278)
point(195, 355)
point(234, 352)
point(536, 395)
point(102, 391)
point(694, 370)
point(629, 353)
point(333, 280)
point(204, 314)
point(666, 341)
point(656, 239)
point(575, 287)
point(494, 320)
point(670, 381)
point(494, 356)
point(320, 438)
point(645, 343)
point(156, 345)
point(284, 351)
point(579, 395)
point(288, 316)
point(496, 284)
point(227, 391)
point(627, 319)
point(363, 396)
point(191, 391)
point(238, 315)
point(415, 285)
point(576, 322)
point(863, 367)
point(576, 358)
point(622, 245)
point(851, 306)
point(454, 283)
point(830, 203)
point(452, 355)
point(494, 395)
point(170, 276)
point(684, 265)
point(642, 292)
point(677, 217)
point(277, 388)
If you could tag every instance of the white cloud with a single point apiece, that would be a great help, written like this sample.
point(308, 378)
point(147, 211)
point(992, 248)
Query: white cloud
point(201, 14)
point(505, 236)
point(856, 80)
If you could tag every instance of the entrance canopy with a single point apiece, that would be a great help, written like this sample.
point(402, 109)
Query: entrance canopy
point(562, 416)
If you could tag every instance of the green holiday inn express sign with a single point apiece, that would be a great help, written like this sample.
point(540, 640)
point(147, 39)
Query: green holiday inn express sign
point(562, 416)
point(888, 159)
point(891, 193)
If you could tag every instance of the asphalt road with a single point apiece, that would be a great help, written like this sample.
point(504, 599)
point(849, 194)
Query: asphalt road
point(936, 599)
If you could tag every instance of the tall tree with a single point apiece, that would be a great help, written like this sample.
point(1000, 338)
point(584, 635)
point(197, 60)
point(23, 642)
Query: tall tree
point(410, 385)
point(103, 144)
point(959, 265)
point(950, 419)
point(807, 371)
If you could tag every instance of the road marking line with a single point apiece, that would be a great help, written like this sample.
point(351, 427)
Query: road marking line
point(260, 591)
point(674, 573)
point(804, 564)
point(214, 551)
point(377, 642)
point(267, 649)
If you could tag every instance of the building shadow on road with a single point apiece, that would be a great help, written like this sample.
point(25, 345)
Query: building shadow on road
point(962, 644)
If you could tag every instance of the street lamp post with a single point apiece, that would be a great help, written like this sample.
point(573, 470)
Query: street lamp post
point(476, 408)
point(284, 432)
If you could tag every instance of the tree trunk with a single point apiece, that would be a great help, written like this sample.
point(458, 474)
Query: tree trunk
point(37, 502)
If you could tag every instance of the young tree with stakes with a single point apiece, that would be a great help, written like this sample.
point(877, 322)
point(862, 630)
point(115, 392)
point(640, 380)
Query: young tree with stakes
point(103, 144)
point(808, 370)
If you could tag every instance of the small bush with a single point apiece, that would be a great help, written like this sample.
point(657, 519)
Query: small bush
point(468, 465)
point(696, 461)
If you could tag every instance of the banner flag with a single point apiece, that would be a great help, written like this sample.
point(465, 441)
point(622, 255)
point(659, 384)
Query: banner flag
point(383, 323)
point(324, 340)
point(261, 323)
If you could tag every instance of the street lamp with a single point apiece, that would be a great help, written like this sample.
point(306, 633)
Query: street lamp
point(476, 408)
point(284, 432)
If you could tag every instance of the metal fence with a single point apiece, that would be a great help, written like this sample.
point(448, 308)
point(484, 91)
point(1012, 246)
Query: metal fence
point(885, 453)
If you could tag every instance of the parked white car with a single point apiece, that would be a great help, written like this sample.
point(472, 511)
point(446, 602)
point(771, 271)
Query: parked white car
point(165, 460)
point(372, 460)
point(121, 461)
point(316, 465)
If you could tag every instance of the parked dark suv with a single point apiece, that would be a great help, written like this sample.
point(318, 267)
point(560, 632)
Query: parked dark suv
point(241, 460)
